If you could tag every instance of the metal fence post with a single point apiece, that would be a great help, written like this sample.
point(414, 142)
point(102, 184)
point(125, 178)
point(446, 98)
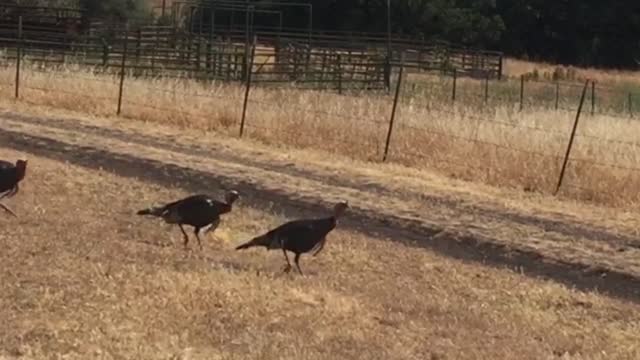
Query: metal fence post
point(630, 106)
point(393, 110)
point(18, 57)
point(339, 74)
point(453, 89)
point(248, 86)
point(122, 69)
point(387, 72)
point(486, 88)
point(573, 134)
point(557, 93)
point(521, 92)
point(593, 98)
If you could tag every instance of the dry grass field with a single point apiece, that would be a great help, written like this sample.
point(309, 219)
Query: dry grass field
point(120, 286)
point(452, 249)
point(498, 146)
point(85, 278)
point(515, 68)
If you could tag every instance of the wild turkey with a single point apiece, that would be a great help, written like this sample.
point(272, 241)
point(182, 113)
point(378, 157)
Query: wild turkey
point(200, 211)
point(299, 236)
point(10, 177)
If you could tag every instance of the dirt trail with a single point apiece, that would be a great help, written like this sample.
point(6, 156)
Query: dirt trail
point(566, 249)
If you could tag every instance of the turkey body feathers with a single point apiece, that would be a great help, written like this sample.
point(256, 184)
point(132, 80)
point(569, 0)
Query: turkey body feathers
point(298, 236)
point(200, 211)
point(196, 210)
point(10, 176)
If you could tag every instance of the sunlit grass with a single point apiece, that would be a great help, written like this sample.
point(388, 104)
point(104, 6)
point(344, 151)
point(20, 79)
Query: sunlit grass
point(497, 145)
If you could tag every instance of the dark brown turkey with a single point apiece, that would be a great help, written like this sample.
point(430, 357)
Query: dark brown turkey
point(10, 177)
point(200, 211)
point(299, 236)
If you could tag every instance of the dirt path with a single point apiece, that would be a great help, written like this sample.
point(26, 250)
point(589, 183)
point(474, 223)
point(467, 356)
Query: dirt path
point(565, 248)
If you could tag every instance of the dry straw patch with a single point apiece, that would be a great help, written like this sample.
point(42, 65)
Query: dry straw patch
point(516, 67)
point(82, 277)
point(497, 145)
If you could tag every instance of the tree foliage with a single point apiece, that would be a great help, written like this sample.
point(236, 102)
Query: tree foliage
point(582, 32)
point(116, 10)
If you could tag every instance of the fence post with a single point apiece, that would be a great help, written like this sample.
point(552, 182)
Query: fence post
point(521, 92)
point(18, 57)
point(573, 134)
point(453, 90)
point(154, 50)
point(630, 106)
point(557, 93)
point(339, 74)
point(486, 88)
point(593, 97)
point(123, 68)
point(248, 86)
point(138, 44)
point(387, 72)
point(105, 52)
point(393, 110)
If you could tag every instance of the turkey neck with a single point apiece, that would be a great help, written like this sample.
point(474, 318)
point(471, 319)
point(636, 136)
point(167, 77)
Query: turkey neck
point(20, 172)
point(227, 207)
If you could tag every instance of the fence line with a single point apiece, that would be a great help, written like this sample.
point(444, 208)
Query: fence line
point(376, 145)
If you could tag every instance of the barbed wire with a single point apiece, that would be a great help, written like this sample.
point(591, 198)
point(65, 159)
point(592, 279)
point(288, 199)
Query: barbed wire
point(318, 112)
point(609, 141)
point(597, 163)
point(483, 119)
point(377, 143)
point(171, 110)
point(84, 95)
point(296, 134)
point(479, 141)
point(199, 95)
point(113, 81)
point(421, 156)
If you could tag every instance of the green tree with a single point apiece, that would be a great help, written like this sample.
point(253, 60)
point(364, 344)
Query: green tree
point(116, 10)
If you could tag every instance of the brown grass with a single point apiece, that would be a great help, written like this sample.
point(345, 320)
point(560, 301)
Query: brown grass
point(497, 146)
point(515, 68)
point(84, 278)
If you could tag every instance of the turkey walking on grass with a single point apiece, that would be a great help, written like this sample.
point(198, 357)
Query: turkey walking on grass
point(10, 177)
point(299, 236)
point(200, 211)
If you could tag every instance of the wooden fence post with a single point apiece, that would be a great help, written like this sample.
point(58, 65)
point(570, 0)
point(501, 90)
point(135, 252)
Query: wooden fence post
point(573, 134)
point(248, 86)
point(393, 109)
point(122, 69)
point(18, 57)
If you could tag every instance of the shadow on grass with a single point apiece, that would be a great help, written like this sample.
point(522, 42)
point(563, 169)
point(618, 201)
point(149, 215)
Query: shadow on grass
point(559, 224)
point(419, 234)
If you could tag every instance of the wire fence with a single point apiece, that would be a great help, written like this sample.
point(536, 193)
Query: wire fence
point(526, 93)
point(575, 147)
